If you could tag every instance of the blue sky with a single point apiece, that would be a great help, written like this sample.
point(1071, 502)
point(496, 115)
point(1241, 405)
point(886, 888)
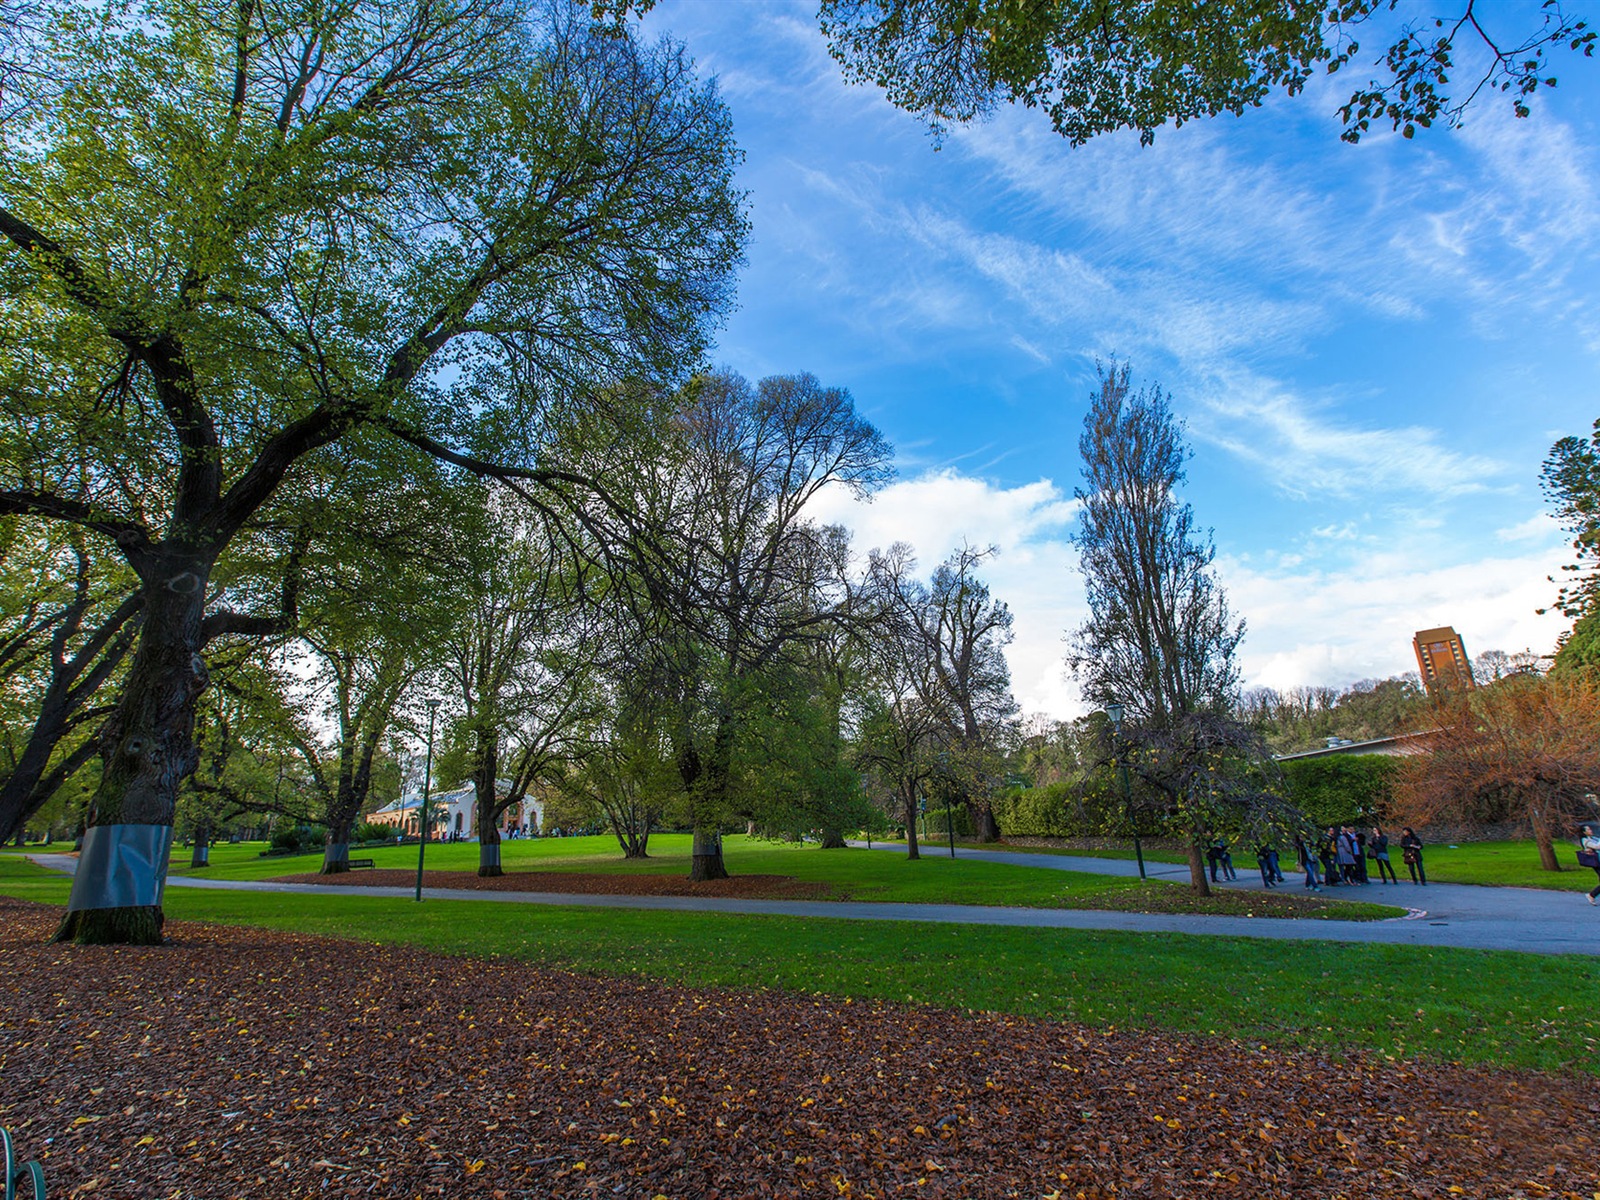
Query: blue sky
point(1373, 347)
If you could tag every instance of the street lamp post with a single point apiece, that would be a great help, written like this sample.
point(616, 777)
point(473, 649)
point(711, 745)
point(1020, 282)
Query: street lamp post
point(1114, 711)
point(422, 816)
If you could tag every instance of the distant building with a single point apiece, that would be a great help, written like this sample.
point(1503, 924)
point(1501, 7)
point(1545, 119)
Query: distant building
point(1441, 658)
point(455, 815)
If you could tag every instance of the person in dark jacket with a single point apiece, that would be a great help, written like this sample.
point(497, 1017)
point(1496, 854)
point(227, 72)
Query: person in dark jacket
point(1378, 847)
point(1411, 851)
point(1308, 863)
point(1591, 843)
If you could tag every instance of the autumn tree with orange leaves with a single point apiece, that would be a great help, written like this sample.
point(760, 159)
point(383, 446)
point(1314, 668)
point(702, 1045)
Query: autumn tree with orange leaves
point(1524, 749)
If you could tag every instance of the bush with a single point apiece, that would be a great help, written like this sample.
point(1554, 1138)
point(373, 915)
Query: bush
point(1335, 789)
point(298, 839)
point(939, 821)
point(1069, 808)
point(373, 831)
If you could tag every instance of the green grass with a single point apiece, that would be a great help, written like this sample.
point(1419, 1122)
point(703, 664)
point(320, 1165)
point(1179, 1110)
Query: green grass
point(860, 874)
point(1505, 864)
point(1496, 1008)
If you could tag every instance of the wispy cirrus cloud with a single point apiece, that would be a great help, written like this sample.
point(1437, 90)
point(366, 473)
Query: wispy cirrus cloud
point(1305, 449)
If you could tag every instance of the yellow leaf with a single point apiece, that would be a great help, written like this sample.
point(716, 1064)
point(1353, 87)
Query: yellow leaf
point(146, 1140)
point(475, 1166)
point(580, 1166)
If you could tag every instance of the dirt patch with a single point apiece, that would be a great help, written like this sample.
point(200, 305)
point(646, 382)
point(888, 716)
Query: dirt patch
point(742, 887)
point(239, 1062)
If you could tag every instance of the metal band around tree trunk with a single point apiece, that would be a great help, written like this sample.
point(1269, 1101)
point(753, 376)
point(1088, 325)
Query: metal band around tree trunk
point(489, 854)
point(121, 866)
point(337, 852)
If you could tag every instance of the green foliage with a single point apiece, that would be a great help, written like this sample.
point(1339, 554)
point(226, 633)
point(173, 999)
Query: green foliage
point(300, 839)
point(1335, 788)
point(369, 831)
point(1580, 649)
point(938, 821)
point(1096, 66)
point(1303, 718)
point(1571, 483)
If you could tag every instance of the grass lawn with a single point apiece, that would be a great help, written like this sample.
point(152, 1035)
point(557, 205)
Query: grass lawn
point(871, 875)
point(1497, 1008)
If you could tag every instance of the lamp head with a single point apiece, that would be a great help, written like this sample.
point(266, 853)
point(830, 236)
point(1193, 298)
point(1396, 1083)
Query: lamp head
point(1114, 712)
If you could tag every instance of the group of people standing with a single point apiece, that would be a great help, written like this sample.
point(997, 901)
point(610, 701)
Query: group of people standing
point(1343, 855)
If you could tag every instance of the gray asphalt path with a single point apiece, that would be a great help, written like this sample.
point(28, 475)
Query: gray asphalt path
point(1453, 915)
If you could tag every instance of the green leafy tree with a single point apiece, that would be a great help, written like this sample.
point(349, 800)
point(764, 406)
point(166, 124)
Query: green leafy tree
point(739, 578)
point(438, 222)
point(1095, 66)
point(519, 657)
point(1159, 638)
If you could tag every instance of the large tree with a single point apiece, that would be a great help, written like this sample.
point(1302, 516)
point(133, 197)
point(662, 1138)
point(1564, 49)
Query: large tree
point(1100, 65)
point(741, 578)
point(518, 660)
point(1524, 749)
point(437, 220)
point(1159, 638)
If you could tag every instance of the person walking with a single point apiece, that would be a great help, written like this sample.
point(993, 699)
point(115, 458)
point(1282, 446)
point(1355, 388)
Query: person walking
point(1411, 851)
point(1591, 844)
point(1378, 847)
point(1308, 863)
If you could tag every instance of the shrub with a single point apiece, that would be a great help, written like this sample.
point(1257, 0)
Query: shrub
point(300, 838)
point(373, 831)
point(1335, 788)
point(939, 821)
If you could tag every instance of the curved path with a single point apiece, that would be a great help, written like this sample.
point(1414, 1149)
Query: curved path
point(1483, 918)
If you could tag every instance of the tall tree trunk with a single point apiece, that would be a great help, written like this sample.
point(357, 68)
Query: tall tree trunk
point(988, 830)
point(911, 824)
point(706, 862)
point(336, 851)
point(832, 839)
point(488, 843)
point(202, 845)
point(483, 783)
point(148, 750)
point(1197, 870)
point(1544, 838)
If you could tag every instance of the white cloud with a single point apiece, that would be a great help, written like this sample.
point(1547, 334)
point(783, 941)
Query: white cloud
point(1357, 623)
point(1541, 527)
point(1303, 451)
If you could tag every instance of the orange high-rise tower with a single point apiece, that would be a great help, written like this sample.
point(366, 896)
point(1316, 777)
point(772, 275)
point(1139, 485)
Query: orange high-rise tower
point(1441, 658)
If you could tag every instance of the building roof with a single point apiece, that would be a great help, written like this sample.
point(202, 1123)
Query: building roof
point(1402, 743)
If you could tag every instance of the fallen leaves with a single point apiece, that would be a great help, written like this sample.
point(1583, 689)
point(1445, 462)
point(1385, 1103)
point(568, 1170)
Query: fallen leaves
point(249, 1063)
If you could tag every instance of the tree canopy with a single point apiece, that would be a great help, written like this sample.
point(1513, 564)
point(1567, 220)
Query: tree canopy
point(1095, 66)
point(229, 238)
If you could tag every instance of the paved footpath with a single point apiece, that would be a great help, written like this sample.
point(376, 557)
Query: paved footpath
point(1456, 915)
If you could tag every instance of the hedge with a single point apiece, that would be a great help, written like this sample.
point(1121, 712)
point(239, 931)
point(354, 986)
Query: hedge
point(1336, 788)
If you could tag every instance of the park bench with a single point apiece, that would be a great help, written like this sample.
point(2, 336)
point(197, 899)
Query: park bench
point(356, 863)
point(29, 1172)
